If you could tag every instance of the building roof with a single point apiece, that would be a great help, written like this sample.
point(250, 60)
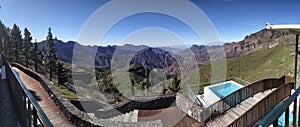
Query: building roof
point(291, 28)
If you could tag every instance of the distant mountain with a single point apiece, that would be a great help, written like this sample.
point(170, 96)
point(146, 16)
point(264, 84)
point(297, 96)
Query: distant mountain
point(153, 58)
point(147, 56)
point(261, 40)
point(165, 57)
point(63, 50)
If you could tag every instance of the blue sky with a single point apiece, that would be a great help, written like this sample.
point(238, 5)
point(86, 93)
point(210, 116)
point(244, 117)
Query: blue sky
point(233, 20)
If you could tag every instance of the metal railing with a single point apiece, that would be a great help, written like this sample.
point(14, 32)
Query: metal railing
point(274, 114)
point(238, 96)
point(28, 111)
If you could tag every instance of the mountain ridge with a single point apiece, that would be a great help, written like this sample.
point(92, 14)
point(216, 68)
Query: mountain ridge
point(164, 57)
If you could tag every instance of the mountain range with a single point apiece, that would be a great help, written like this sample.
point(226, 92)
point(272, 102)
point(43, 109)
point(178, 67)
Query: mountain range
point(165, 58)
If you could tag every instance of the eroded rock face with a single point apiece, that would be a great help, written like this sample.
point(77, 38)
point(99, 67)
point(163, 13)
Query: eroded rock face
point(154, 58)
point(256, 41)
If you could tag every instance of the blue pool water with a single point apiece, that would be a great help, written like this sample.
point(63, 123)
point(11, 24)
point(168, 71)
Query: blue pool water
point(281, 120)
point(224, 89)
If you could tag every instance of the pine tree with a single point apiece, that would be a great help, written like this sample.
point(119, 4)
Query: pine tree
point(5, 41)
point(15, 43)
point(26, 46)
point(174, 86)
point(4, 36)
point(40, 61)
point(51, 54)
point(1, 45)
point(35, 55)
point(62, 74)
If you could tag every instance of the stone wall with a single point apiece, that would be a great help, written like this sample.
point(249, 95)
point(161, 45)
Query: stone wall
point(74, 115)
point(189, 107)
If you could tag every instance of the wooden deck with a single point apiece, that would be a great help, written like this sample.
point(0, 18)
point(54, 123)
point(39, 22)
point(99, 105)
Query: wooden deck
point(52, 111)
point(234, 113)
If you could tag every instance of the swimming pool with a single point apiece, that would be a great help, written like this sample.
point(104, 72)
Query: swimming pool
point(224, 89)
point(281, 120)
point(214, 93)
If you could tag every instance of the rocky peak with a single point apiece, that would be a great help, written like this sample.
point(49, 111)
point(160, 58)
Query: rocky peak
point(254, 42)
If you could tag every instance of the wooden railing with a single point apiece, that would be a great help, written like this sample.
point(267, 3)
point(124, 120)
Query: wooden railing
point(250, 117)
point(238, 96)
point(27, 109)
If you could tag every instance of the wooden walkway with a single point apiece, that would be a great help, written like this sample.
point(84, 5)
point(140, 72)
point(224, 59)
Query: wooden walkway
point(234, 113)
point(52, 111)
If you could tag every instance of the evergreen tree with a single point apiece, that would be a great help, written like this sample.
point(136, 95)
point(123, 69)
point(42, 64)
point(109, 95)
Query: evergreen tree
point(62, 74)
point(4, 37)
point(174, 86)
point(35, 55)
point(15, 43)
point(51, 54)
point(5, 41)
point(1, 46)
point(26, 46)
point(40, 61)
point(132, 87)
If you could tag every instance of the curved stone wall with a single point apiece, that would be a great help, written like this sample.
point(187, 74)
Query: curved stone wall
point(74, 115)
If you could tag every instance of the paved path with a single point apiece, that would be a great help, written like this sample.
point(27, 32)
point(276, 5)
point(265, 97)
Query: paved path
point(131, 116)
point(52, 111)
point(170, 117)
point(8, 116)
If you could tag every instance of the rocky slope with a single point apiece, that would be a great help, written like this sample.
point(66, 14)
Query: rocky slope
point(256, 41)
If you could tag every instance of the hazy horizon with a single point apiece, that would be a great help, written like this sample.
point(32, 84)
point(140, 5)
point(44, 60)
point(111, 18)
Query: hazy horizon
point(183, 46)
